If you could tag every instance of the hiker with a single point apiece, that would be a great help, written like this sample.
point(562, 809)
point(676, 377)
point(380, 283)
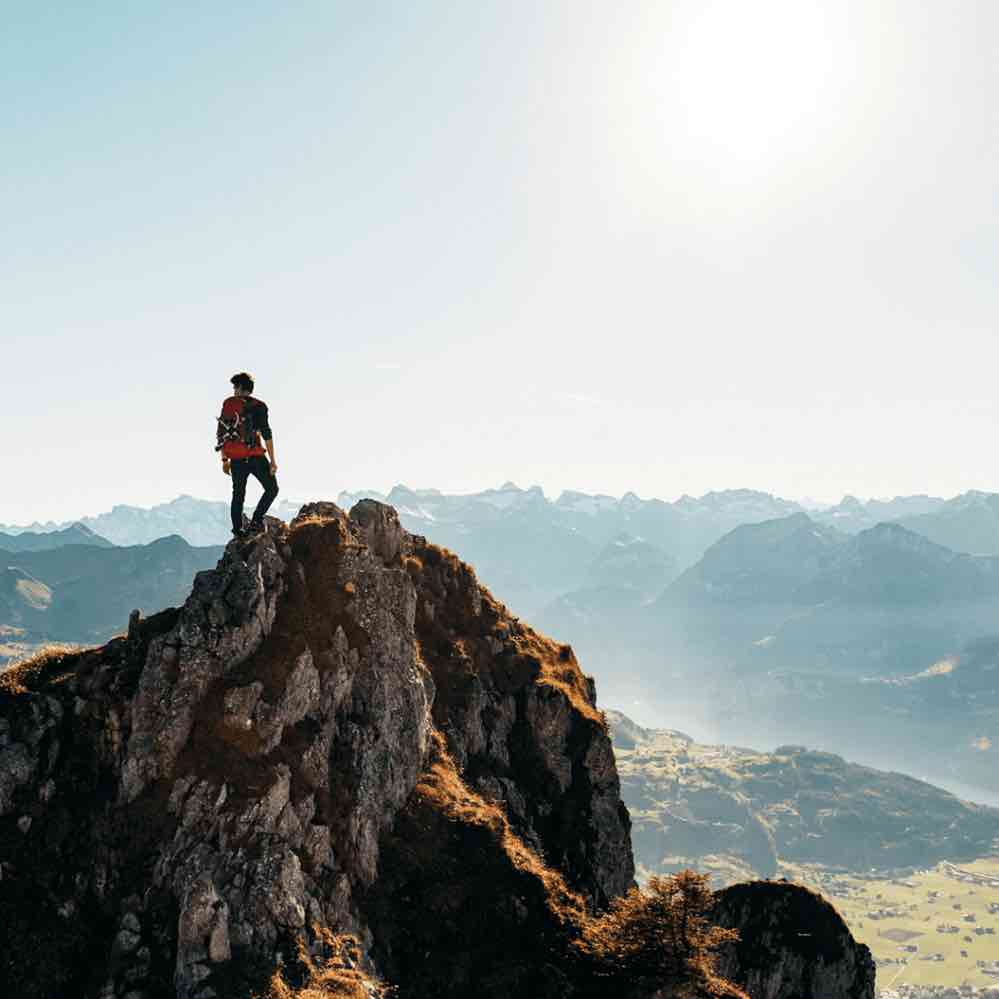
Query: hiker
point(240, 428)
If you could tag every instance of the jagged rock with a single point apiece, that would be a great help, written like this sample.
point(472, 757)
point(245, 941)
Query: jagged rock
point(339, 736)
point(379, 526)
point(223, 623)
point(794, 944)
point(238, 768)
point(16, 769)
point(239, 704)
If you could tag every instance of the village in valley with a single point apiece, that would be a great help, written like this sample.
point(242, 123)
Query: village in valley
point(939, 992)
point(934, 933)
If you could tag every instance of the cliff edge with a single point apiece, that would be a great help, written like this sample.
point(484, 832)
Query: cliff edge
point(340, 729)
point(341, 761)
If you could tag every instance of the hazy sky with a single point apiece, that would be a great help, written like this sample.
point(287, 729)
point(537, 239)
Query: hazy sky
point(666, 247)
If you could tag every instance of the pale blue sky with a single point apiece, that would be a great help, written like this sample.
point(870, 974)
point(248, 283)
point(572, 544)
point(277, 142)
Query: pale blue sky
point(665, 247)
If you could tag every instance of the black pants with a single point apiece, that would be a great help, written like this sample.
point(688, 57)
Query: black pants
point(260, 468)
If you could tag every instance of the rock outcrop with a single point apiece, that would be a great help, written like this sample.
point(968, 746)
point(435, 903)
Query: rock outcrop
point(337, 708)
point(340, 753)
point(794, 944)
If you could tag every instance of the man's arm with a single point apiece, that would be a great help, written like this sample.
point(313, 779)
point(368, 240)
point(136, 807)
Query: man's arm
point(265, 432)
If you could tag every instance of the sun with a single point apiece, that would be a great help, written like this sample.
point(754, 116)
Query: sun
point(743, 86)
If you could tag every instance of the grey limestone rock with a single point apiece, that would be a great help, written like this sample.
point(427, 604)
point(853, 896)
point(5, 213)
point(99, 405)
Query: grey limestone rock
point(239, 705)
point(379, 526)
point(230, 612)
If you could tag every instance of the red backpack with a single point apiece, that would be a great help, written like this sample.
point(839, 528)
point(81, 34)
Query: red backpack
point(237, 436)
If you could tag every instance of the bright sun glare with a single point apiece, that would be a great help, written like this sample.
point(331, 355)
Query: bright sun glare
point(750, 84)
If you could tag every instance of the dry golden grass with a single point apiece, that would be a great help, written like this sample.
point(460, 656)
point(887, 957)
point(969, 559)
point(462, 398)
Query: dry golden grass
point(655, 937)
point(19, 677)
point(660, 936)
point(442, 787)
point(337, 976)
point(448, 584)
point(560, 671)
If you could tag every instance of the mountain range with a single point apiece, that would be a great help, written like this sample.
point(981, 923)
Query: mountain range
point(530, 550)
point(199, 522)
point(792, 593)
point(742, 813)
point(742, 612)
point(34, 541)
point(84, 593)
point(564, 537)
point(882, 643)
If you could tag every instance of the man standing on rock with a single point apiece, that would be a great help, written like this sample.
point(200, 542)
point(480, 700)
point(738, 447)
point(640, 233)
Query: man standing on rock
point(240, 428)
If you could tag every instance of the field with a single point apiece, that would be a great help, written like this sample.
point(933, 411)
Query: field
point(929, 927)
point(13, 645)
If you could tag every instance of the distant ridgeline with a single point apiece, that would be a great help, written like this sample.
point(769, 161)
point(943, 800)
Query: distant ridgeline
point(567, 540)
point(845, 627)
point(37, 541)
point(882, 644)
point(199, 522)
point(72, 586)
point(743, 814)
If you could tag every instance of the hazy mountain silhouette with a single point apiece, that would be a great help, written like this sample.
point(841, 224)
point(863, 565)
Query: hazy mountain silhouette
point(967, 523)
point(84, 593)
point(793, 594)
point(792, 631)
point(632, 563)
point(562, 538)
point(621, 580)
point(853, 515)
point(531, 550)
point(199, 522)
point(739, 812)
point(29, 541)
point(939, 722)
point(758, 563)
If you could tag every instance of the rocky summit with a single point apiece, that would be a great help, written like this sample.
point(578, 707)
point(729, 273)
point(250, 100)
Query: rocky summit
point(341, 768)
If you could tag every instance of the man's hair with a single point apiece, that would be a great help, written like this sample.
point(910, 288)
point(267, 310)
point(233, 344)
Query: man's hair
point(242, 381)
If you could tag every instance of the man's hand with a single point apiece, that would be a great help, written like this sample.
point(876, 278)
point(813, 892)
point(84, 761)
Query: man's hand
point(226, 466)
point(273, 467)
